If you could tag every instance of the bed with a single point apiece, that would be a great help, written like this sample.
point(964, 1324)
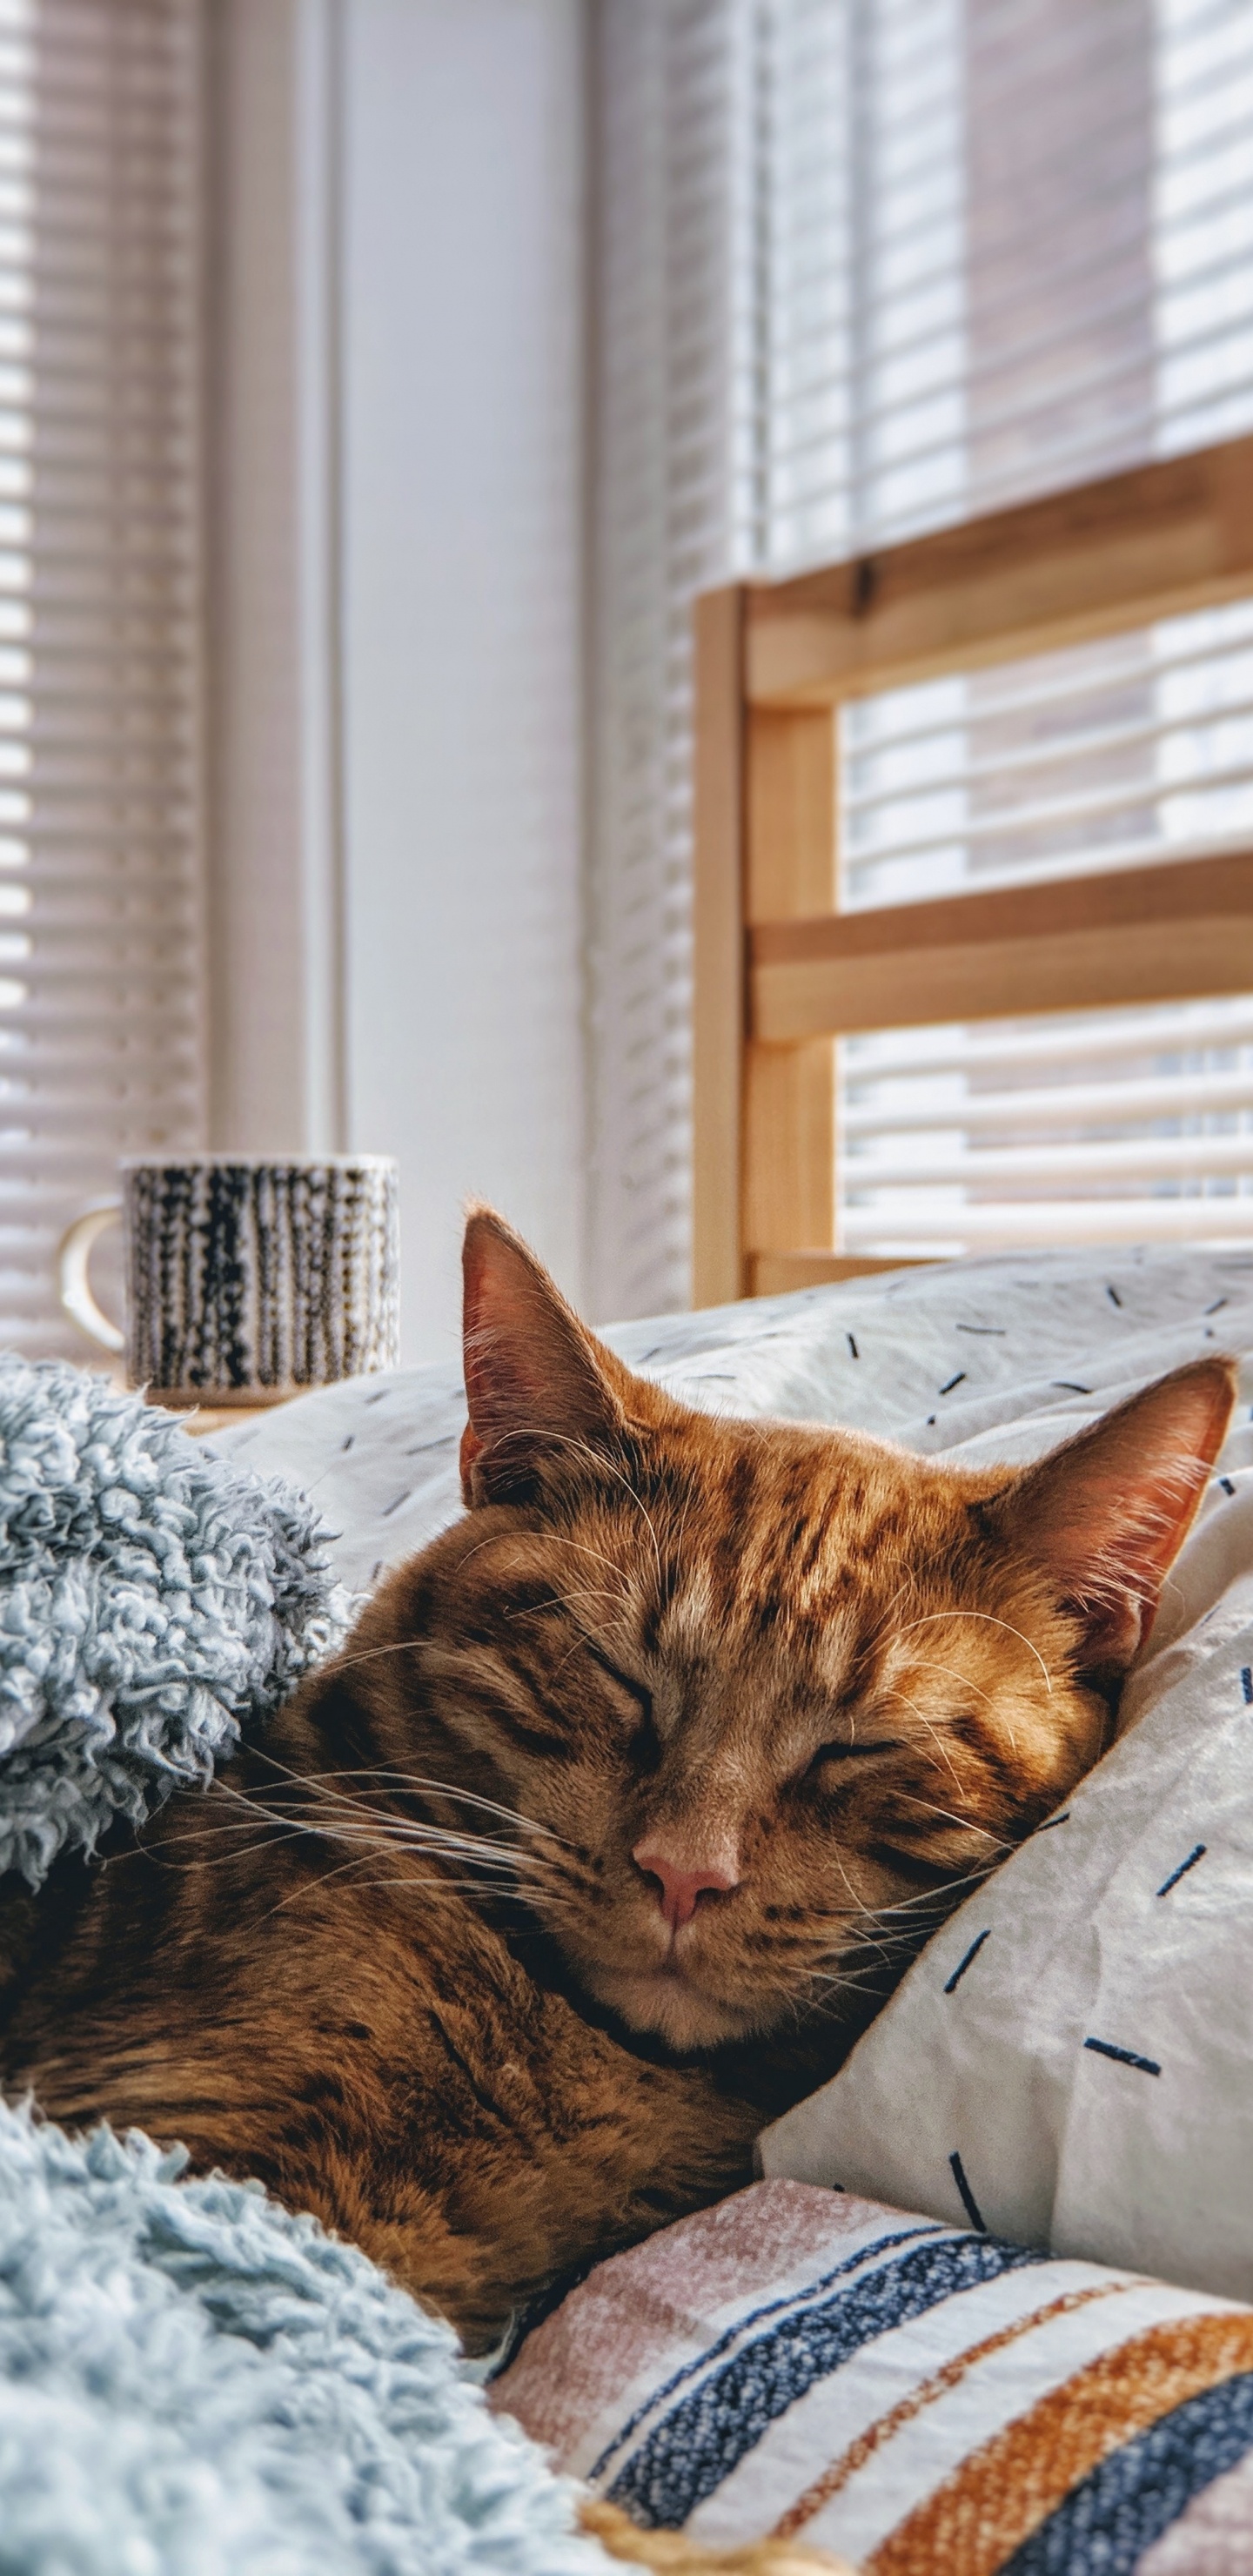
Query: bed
point(925, 2338)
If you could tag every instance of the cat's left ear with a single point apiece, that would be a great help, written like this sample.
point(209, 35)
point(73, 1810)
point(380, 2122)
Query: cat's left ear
point(1106, 1514)
point(537, 1383)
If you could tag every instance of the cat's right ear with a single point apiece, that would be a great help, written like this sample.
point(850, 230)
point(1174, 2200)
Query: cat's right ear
point(535, 1385)
point(1105, 1516)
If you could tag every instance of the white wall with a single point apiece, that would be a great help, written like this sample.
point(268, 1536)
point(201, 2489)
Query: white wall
point(462, 528)
point(398, 620)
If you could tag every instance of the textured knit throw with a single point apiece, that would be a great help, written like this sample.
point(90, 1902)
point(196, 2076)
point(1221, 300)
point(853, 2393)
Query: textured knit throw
point(153, 1600)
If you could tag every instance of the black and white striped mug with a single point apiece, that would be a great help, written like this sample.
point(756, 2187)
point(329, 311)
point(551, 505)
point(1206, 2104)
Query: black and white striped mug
point(246, 1280)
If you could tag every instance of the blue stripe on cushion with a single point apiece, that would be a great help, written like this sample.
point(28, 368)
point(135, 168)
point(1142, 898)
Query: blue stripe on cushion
point(1120, 2508)
point(704, 2437)
point(743, 2325)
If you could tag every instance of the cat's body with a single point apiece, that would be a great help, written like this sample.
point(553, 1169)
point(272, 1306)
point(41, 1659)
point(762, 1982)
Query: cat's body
point(624, 1806)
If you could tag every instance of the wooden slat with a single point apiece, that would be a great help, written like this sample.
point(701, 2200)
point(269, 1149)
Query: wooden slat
point(718, 905)
point(1173, 932)
point(1150, 543)
point(771, 1274)
point(789, 1095)
point(791, 814)
point(789, 1146)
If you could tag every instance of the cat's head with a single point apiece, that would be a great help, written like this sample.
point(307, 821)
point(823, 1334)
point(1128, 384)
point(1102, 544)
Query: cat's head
point(761, 1687)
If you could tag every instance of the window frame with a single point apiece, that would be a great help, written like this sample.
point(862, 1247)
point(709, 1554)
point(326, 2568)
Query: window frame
point(780, 972)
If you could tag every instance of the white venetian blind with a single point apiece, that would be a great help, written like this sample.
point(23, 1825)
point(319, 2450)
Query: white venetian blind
point(100, 1035)
point(967, 251)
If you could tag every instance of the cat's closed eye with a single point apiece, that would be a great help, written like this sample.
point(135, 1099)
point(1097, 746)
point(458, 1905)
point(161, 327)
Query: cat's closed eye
point(644, 1746)
point(848, 1749)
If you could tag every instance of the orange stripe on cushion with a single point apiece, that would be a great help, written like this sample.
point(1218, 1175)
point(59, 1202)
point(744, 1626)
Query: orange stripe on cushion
point(939, 2385)
point(999, 2496)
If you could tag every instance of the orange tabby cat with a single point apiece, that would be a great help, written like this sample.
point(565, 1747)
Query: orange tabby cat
point(620, 1812)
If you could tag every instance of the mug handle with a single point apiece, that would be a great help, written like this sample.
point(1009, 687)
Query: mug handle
point(73, 1254)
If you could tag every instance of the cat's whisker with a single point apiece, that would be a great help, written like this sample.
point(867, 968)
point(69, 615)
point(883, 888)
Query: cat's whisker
point(310, 1886)
point(368, 1654)
point(551, 1899)
point(583, 1547)
point(207, 1834)
point(988, 1697)
point(346, 1818)
point(859, 1909)
point(305, 1886)
point(961, 1824)
point(943, 1898)
point(310, 1813)
point(381, 1833)
point(565, 1601)
point(421, 1780)
point(929, 1618)
point(601, 1462)
point(157, 1853)
point(967, 1680)
point(570, 1653)
point(931, 1728)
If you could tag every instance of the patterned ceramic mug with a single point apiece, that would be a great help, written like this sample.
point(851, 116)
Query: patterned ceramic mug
point(246, 1281)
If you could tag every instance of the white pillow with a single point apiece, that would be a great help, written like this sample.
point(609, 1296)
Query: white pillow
point(1070, 2061)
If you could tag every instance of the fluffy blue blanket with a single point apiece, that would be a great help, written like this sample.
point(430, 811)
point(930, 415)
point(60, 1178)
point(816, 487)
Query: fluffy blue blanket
point(153, 1599)
point(192, 2381)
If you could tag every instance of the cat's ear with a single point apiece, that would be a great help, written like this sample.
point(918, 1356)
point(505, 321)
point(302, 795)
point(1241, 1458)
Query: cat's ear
point(1106, 1514)
point(536, 1382)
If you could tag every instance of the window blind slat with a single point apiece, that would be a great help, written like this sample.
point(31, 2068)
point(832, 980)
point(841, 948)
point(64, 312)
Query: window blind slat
point(101, 963)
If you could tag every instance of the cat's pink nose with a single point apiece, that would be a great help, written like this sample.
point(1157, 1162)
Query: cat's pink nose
point(678, 1887)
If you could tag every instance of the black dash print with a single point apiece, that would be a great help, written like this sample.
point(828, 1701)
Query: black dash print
point(1226, 1483)
point(1213, 1310)
point(930, 1421)
point(997, 1329)
point(649, 1354)
point(950, 1383)
point(420, 1447)
point(969, 2203)
point(345, 1445)
point(851, 1340)
point(389, 1508)
point(1124, 2056)
point(1182, 1871)
point(1047, 1826)
point(1113, 1296)
point(962, 1964)
point(1071, 1386)
point(1246, 1684)
point(378, 1397)
point(376, 1570)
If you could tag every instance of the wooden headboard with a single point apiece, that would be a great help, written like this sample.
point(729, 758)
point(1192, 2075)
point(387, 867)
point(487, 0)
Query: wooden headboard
point(780, 974)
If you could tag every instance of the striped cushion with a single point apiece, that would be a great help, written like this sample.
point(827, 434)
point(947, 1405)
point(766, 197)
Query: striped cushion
point(928, 2400)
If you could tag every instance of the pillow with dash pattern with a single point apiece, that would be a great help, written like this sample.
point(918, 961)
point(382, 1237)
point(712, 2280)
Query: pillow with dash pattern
point(1070, 2061)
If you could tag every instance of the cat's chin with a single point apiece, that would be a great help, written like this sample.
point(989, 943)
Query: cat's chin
point(665, 2004)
